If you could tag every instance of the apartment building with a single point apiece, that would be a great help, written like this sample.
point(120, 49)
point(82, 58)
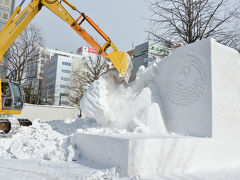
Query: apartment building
point(45, 55)
point(36, 69)
point(58, 79)
point(56, 70)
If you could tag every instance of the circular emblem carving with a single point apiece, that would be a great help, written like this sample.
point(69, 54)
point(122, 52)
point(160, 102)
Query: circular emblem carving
point(186, 80)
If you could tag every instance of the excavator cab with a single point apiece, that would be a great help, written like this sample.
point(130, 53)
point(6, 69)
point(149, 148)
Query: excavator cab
point(12, 103)
point(12, 98)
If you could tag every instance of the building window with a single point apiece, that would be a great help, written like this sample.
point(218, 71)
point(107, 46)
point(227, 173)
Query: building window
point(7, 3)
point(66, 63)
point(65, 79)
point(5, 16)
point(50, 80)
point(64, 103)
point(66, 71)
point(64, 86)
point(57, 54)
point(48, 56)
point(1, 1)
point(64, 94)
point(50, 87)
point(43, 55)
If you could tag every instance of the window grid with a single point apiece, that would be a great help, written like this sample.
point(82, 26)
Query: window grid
point(5, 16)
point(7, 3)
point(66, 71)
point(64, 86)
point(65, 79)
point(66, 63)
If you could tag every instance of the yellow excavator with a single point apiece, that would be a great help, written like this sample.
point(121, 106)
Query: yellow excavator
point(11, 101)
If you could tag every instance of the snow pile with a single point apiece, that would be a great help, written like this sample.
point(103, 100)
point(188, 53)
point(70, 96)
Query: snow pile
point(133, 108)
point(38, 141)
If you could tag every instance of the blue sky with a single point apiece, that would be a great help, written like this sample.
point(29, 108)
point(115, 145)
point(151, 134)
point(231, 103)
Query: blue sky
point(122, 20)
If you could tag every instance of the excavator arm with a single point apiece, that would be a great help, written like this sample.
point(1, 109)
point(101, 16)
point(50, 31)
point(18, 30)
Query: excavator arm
point(15, 26)
point(11, 100)
point(19, 20)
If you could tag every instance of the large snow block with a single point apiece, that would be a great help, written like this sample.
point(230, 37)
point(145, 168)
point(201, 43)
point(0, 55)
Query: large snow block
point(146, 156)
point(199, 94)
point(185, 90)
point(198, 89)
point(104, 151)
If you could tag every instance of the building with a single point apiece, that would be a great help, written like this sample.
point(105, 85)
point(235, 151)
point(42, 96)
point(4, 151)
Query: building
point(6, 9)
point(56, 69)
point(59, 79)
point(145, 53)
point(36, 69)
point(45, 55)
point(87, 53)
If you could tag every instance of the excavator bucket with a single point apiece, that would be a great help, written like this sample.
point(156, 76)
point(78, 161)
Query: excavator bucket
point(122, 62)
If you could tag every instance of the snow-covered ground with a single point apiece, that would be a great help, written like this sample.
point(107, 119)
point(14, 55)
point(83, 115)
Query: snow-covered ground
point(228, 173)
point(15, 169)
point(39, 152)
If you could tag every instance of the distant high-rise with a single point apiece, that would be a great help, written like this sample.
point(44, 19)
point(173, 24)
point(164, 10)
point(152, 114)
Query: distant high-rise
point(57, 72)
point(55, 68)
point(6, 9)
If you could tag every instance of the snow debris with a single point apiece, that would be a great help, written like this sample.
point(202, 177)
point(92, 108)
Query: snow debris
point(131, 108)
point(38, 141)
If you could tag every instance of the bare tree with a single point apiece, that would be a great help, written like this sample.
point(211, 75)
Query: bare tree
point(186, 21)
point(23, 55)
point(82, 78)
point(78, 88)
point(22, 60)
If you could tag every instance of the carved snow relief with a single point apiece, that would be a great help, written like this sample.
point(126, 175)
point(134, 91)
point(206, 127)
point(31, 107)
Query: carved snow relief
point(186, 80)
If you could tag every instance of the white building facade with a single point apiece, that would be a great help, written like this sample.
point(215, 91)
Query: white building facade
point(57, 73)
point(6, 9)
point(59, 79)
